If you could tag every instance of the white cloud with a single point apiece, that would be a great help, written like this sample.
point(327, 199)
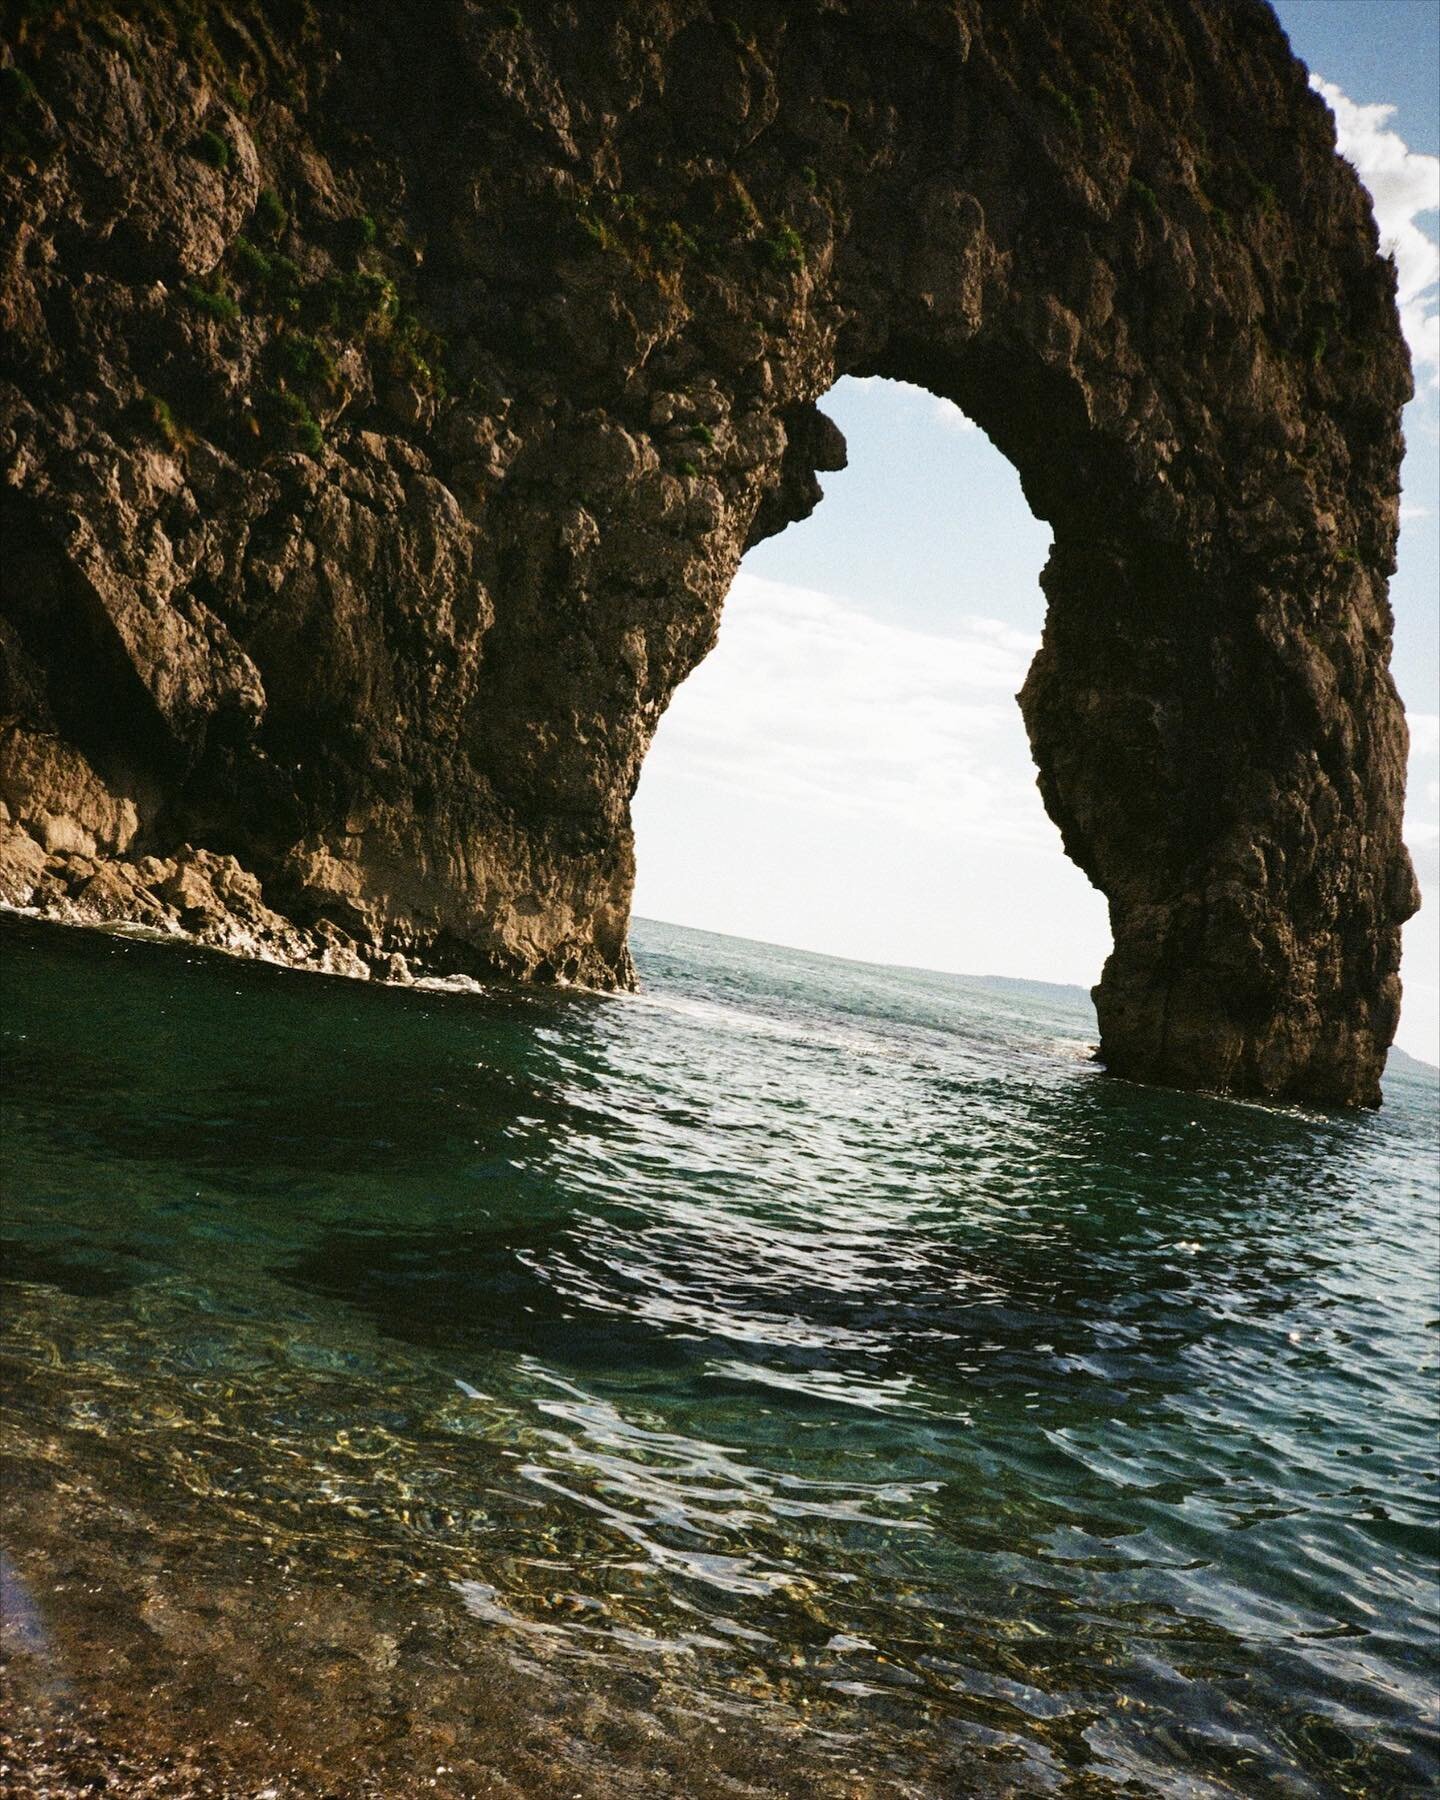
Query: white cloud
point(939, 410)
point(808, 699)
point(1403, 185)
point(1422, 798)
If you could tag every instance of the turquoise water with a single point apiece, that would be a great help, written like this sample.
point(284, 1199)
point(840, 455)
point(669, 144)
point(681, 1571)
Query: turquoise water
point(835, 1340)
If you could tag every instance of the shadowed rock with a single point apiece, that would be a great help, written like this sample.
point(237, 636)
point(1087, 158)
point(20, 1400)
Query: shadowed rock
point(389, 395)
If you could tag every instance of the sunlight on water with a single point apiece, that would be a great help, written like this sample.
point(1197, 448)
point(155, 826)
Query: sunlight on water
point(832, 1349)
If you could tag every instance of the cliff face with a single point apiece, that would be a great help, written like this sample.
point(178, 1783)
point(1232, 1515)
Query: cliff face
point(389, 395)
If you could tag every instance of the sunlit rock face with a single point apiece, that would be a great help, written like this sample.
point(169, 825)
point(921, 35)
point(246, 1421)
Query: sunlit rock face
point(390, 393)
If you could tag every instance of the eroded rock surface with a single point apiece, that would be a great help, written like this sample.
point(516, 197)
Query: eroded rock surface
point(389, 395)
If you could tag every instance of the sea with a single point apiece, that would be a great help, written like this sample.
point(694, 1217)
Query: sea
point(795, 1377)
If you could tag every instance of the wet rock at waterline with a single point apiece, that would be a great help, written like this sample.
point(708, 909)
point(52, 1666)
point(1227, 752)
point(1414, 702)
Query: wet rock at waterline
point(389, 397)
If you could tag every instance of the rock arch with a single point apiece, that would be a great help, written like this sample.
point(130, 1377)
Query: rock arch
point(389, 400)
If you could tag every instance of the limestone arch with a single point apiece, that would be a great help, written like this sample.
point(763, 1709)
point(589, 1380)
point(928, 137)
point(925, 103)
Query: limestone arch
point(390, 659)
point(1208, 430)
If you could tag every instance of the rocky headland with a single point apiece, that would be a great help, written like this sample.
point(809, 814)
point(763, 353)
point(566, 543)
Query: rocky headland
point(389, 394)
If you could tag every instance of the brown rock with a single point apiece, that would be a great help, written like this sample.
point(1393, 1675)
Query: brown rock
point(361, 536)
point(22, 863)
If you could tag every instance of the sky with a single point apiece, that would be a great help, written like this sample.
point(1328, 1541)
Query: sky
point(848, 770)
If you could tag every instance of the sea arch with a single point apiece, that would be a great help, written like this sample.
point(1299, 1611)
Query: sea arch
point(376, 481)
point(1194, 400)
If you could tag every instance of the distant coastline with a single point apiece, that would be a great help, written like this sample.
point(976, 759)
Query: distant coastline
point(1062, 991)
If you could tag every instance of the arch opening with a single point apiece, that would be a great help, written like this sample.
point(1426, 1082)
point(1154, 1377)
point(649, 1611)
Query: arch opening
point(848, 769)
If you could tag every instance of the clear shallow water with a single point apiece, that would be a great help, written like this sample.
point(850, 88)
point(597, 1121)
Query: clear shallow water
point(832, 1344)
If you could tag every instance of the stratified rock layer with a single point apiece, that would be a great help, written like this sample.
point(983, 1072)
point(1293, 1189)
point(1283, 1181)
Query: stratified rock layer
point(390, 393)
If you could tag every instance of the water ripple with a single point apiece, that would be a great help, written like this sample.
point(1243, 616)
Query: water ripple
point(837, 1339)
